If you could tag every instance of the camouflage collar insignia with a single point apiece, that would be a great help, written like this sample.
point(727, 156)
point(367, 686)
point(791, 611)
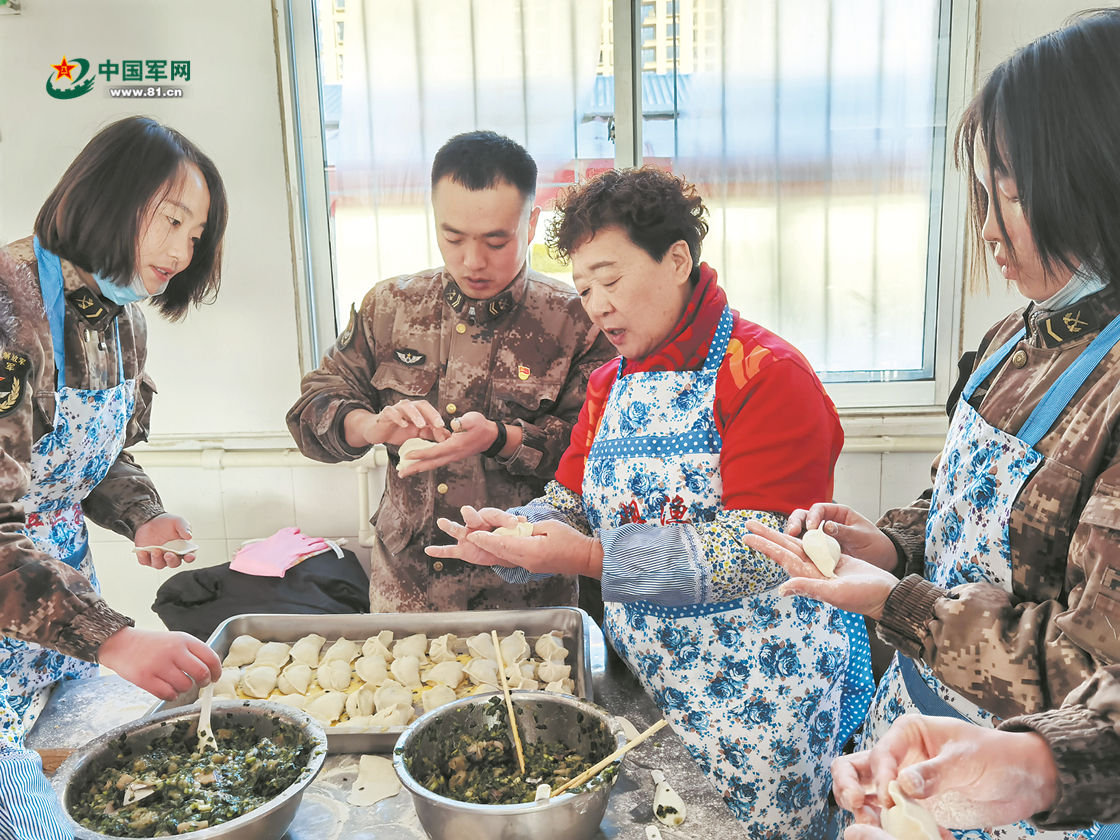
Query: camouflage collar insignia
point(478, 311)
point(1069, 324)
point(91, 308)
point(346, 337)
point(14, 368)
point(410, 357)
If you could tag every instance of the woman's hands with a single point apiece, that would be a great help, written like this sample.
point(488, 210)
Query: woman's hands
point(856, 534)
point(554, 547)
point(158, 531)
point(161, 662)
point(859, 587)
point(965, 775)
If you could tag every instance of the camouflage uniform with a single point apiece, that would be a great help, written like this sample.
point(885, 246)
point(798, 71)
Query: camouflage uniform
point(1023, 651)
point(43, 600)
point(520, 358)
point(1084, 737)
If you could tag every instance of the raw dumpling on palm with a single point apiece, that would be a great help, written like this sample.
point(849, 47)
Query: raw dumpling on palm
point(550, 647)
point(482, 647)
point(258, 681)
point(295, 679)
point(433, 698)
point(442, 648)
point(326, 707)
point(406, 671)
point(514, 647)
point(414, 645)
point(392, 693)
point(371, 669)
point(334, 675)
point(274, 654)
point(306, 650)
point(343, 650)
point(360, 702)
point(242, 651)
point(449, 673)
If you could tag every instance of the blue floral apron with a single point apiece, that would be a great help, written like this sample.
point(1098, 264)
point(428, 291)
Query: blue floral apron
point(764, 691)
point(982, 472)
point(66, 464)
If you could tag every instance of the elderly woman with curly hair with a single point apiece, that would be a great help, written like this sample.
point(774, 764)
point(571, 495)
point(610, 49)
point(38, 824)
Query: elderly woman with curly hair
point(706, 422)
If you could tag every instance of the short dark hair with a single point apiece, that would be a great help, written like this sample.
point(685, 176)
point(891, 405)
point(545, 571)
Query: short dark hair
point(1049, 117)
point(478, 160)
point(654, 207)
point(93, 217)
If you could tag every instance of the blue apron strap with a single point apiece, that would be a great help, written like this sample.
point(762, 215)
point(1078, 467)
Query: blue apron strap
point(718, 348)
point(120, 359)
point(50, 282)
point(927, 700)
point(990, 364)
point(1107, 832)
point(1061, 392)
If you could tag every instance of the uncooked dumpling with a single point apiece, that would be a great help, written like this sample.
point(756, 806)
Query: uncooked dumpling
point(295, 679)
point(393, 716)
point(449, 673)
point(823, 550)
point(907, 819)
point(360, 722)
point(392, 693)
point(406, 671)
point(514, 677)
point(297, 701)
point(360, 702)
point(334, 675)
point(442, 648)
point(562, 687)
point(414, 645)
point(483, 672)
point(521, 529)
point(528, 669)
point(258, 681)
point(343, 650)
point(242, 651)
point(326, 707)
point(433, 698)
point(481, 647)
point(550, 647)
point(412, 445)
point(226, 686)
point(552, 671)
point(274, 654)
point(306, 650)
point(379, 646)
point(514, 647)
point(371, 669)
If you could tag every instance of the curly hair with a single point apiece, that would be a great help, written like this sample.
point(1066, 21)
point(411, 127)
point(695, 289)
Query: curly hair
point(655, 208)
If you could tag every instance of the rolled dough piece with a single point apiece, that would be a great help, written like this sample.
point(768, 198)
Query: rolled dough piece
point(907, 819)
point(522, 529)
point(823, 550)
point(413, 445)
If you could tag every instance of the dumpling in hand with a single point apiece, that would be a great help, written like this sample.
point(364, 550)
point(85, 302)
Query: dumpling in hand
point(449, 673)
point(258, 681)
point(306, 650)
point(343, 650)
point(514, 647)
point(371, 669)
point(406, 671)
point(226, 686)
point(379, 645)
point(442, 648)
point(549, 671)
point(414, 645)
point(272, 653)
point(550, 647)
point(242, 651)
point(334, 675)
point(295, 679)
point(433, 698)
point(392, 693)
point(326, 707)
point(481, 647)
point(483, 672)
point(360, 702)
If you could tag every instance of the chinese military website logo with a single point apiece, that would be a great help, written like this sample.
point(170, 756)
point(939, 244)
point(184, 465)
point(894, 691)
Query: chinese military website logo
point(61, 84)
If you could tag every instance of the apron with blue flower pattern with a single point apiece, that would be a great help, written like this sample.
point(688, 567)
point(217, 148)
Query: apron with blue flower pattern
point(983, 470)
point(764, 691)
point(66, 464)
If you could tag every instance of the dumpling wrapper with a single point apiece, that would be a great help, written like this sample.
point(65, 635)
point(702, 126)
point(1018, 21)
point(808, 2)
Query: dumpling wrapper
point(259, 681)
point(433, 698)
point(376, 781)
point(334, 675)
point(406, 671)
point(549, 671)
point(550, 647)
point(521, 529)
point(413, 445)
point(272, 653)
point(482, 672)
point(907, 819)
point(482, 647)
point(242, 651)
point(442, 648)
point(514, 677)
point(297, 701)
point(371, 669)
point(822, 549)
point(390, 694)
point(226, 686)
point(343, 650)
point(514, 647)
point(414, 645)
point(306, 650)
point(360, 702)
point(326, 707)
point(449, 673)
point(295, 679)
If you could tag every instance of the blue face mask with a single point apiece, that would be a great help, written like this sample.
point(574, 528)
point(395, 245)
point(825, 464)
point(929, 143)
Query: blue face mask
point(135, 291)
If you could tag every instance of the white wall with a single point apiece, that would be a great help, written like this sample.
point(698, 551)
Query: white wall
point(230, 371)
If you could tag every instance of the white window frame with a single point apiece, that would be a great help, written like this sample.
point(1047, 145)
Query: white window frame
point(914, 407)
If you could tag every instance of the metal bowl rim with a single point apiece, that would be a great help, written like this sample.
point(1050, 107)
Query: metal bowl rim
point(64, 776)
point(416, 789)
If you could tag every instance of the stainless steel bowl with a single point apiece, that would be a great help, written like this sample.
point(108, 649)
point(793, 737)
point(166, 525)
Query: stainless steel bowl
point(267, 822)
point(541, 716)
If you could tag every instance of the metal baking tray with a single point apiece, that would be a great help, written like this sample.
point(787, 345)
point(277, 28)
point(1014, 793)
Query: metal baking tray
point(578, 630)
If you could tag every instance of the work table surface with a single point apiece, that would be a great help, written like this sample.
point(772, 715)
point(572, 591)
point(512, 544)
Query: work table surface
point(79, 711)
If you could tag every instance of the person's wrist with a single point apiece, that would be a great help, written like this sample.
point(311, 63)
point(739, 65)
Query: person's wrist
point(499, 443)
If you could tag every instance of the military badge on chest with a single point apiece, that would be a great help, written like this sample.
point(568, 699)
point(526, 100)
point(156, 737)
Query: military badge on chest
point(14, 368)
point(409, 357)
point(346, 337)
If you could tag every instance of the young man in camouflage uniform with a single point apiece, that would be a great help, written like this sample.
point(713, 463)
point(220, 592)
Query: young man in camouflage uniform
point(484, 356)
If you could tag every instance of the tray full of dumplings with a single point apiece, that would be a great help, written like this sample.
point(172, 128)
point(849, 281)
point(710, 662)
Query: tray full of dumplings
point(366, 677)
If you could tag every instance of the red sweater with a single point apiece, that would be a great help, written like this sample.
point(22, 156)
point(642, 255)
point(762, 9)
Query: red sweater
point(781, 433)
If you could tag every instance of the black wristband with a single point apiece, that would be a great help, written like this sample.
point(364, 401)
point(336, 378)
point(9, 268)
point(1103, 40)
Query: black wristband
point(499, 442)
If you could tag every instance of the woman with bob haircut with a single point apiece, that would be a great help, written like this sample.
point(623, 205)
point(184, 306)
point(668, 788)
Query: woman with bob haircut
point(1001, 589)
point(141, 212)
point(706, 423)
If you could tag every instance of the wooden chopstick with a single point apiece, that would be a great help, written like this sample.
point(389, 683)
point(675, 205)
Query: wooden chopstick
point(509, 702)
point(598, 768)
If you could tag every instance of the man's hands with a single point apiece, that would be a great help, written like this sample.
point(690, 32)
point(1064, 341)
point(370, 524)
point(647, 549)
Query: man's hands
point(158, 531)
point(394, 424)
point(161, 662)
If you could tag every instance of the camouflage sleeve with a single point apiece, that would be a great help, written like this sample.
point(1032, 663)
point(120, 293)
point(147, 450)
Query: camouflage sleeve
point(341, 383)
point(1084, 736)
point(906, 527)
point(545, 439)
